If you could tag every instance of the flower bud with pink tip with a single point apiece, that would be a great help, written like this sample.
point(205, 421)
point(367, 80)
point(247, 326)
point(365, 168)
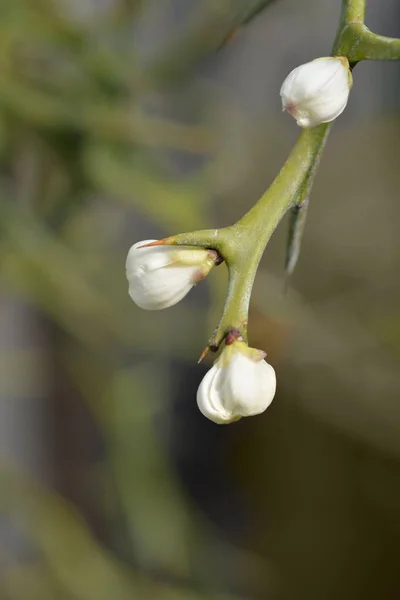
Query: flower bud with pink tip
point(317, 92)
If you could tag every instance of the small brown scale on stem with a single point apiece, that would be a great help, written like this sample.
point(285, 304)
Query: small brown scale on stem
point(218, 258)
point(233, 336)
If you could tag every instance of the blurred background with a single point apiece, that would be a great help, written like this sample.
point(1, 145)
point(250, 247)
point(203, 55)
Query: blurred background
point(122, 120)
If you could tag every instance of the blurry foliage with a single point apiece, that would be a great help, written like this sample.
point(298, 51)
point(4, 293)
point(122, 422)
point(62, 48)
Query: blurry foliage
point(79, 148)
point(91, 161)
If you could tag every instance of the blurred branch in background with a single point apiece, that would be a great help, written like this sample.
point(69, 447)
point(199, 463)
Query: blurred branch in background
point(80, 147)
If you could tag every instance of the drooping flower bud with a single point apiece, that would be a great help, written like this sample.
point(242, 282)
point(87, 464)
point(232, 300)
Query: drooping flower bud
point(240, 384)
point(160, 276)
point(317, 92)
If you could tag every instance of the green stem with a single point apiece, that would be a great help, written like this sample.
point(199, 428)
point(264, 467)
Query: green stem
point(249, 236)
point(370, 46)
point(357, 42)
point(353, 10)
point(246, 241)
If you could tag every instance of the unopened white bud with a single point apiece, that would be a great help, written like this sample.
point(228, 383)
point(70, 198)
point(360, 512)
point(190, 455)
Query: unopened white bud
point(317, 92)
point(160, 276)
point(240, 384)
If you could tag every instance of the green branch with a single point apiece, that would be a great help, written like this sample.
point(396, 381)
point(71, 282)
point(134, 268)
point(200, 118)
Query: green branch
point(252, 233)
point(352, 11)
point(242, 245)
point(355, 41)
point(371, 46)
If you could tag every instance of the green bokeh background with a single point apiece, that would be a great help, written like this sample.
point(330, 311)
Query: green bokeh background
point(122, 121)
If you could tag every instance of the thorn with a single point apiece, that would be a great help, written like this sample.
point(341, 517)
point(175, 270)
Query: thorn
point(203, 354)
point(162, 242)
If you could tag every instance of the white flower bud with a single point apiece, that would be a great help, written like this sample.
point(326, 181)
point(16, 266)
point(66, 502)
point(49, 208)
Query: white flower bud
point(317, 92)
point(240, 384)
point(160, 276)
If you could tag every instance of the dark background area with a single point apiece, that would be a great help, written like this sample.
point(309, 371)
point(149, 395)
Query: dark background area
point(122, 121)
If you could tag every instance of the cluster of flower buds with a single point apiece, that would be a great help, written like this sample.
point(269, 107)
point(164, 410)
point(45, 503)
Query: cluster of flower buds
point(241, 383)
